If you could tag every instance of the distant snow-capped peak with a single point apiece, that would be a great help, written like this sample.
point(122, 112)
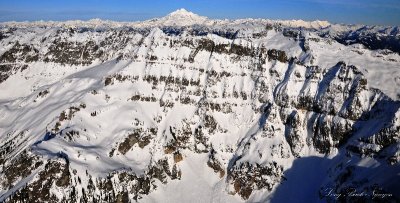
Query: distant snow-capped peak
point(182, 17)
point(182, 12)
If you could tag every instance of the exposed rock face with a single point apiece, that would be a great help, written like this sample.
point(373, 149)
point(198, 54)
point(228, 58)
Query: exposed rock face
point(245, 178)
point(115, 113)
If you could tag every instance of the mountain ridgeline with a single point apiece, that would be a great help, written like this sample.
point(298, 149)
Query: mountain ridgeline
point(184, 108)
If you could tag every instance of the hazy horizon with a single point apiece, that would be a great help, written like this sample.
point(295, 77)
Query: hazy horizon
point(386, 12)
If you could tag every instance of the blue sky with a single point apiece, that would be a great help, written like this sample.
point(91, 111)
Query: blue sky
point(381, 12)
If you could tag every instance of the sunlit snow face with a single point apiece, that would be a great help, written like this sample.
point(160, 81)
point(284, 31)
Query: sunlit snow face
point(223, 110)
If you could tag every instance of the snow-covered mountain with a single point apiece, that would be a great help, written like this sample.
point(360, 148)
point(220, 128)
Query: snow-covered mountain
point(189, 109)
point(181, 17)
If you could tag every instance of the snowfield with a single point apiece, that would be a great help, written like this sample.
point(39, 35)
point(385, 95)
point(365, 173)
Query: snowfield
point(189, 109)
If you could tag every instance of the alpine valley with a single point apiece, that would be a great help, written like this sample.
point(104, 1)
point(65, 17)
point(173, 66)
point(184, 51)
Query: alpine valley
point(185, 108)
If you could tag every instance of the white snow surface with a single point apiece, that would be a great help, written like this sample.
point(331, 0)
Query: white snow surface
point(21, 109)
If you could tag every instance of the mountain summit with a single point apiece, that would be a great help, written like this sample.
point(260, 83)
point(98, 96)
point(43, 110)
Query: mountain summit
point(181, 17)
point(182, 12)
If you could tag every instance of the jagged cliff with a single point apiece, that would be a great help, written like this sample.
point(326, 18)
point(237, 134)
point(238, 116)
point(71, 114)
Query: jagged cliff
point(167, 112)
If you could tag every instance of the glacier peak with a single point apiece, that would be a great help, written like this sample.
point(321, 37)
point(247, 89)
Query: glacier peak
point(182, 17)
point(182, 12)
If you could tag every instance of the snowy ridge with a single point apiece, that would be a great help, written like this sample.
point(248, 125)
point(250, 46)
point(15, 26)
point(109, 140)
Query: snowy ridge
point(172, 19)
point(180, 17)
point(179, 113)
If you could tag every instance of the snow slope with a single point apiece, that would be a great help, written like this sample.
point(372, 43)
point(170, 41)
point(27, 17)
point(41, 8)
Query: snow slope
point(186, 108)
